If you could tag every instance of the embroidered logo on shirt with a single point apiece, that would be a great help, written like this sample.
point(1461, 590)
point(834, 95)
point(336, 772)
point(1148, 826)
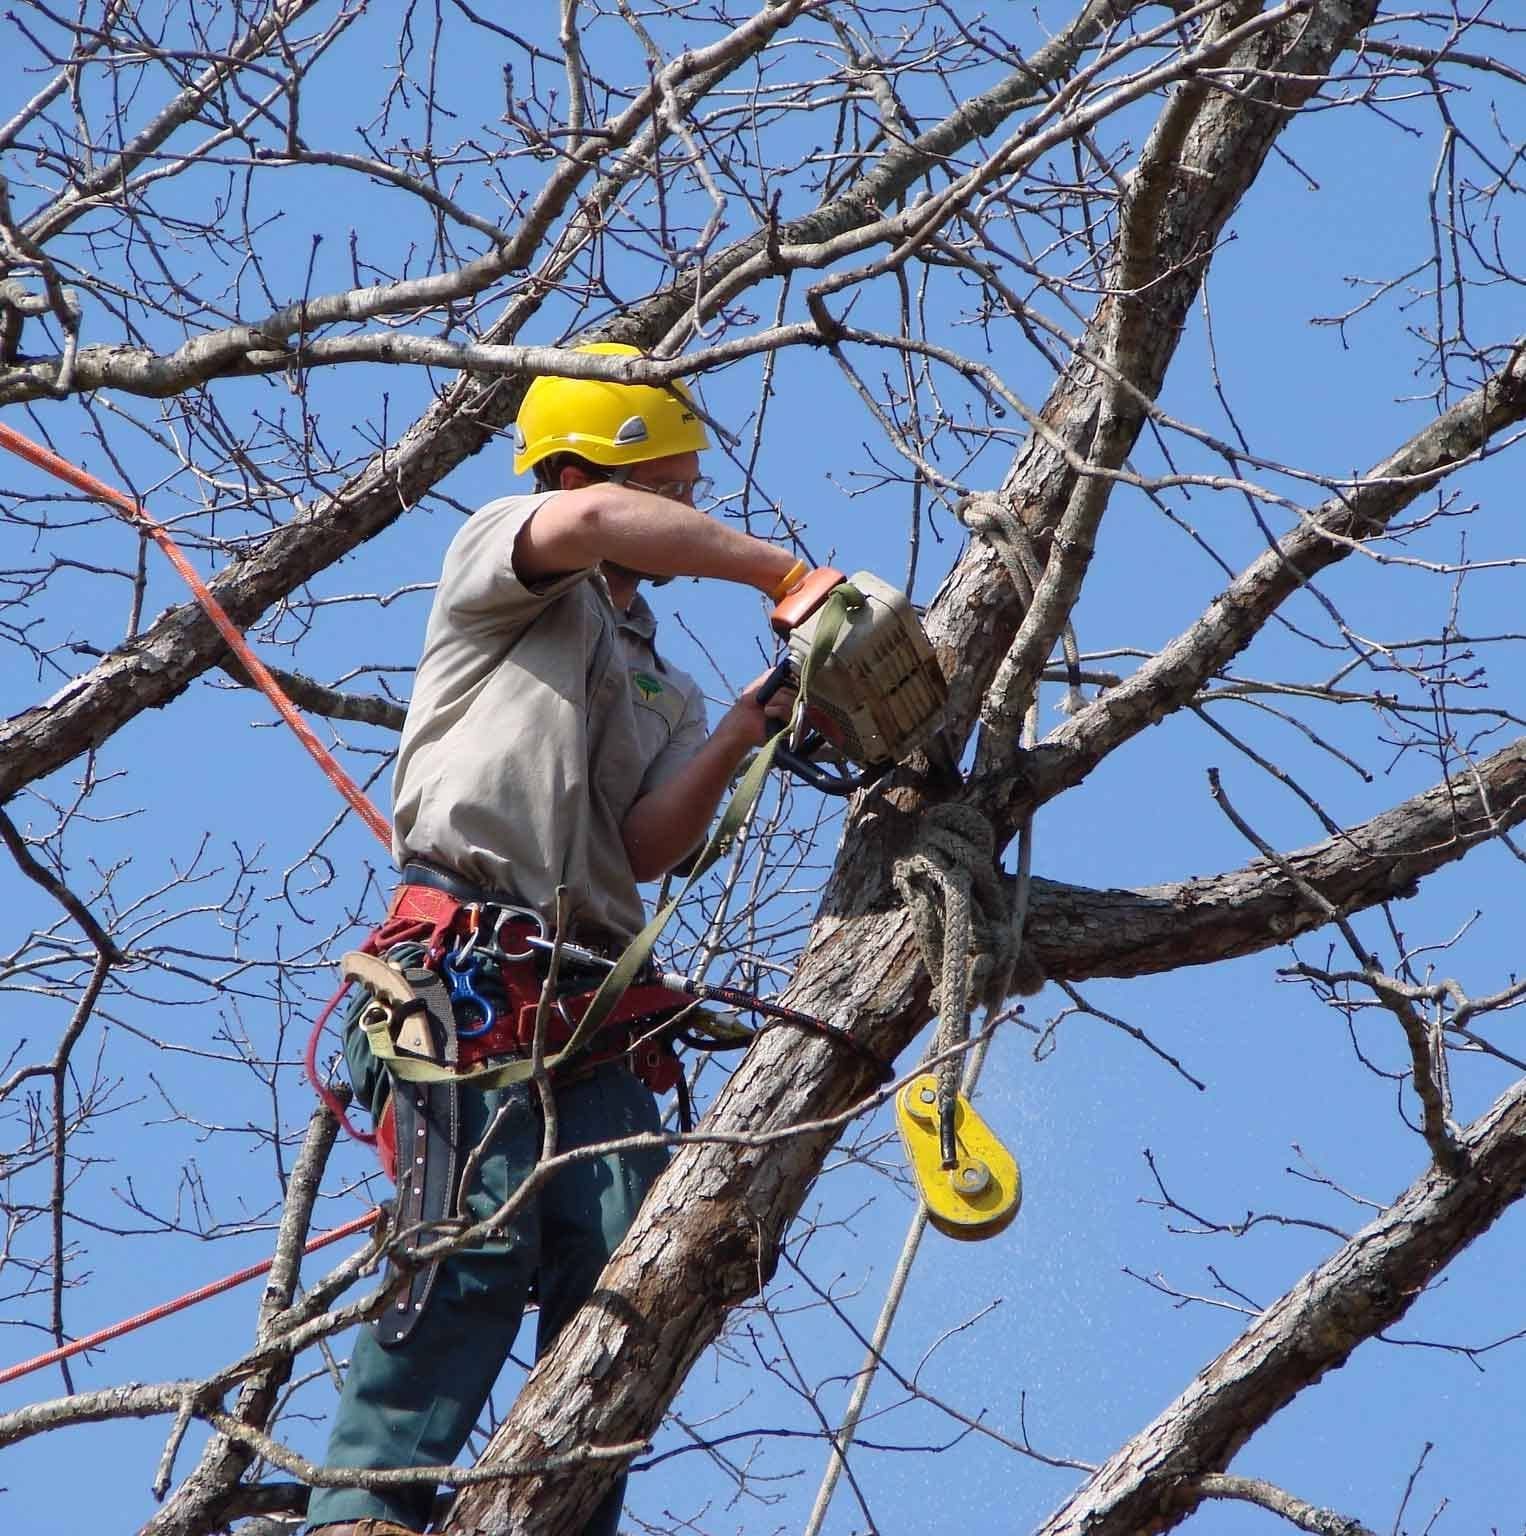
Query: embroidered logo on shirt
point(648, 684)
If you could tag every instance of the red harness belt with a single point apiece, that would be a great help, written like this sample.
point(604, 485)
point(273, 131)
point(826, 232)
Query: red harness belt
point(439, 923)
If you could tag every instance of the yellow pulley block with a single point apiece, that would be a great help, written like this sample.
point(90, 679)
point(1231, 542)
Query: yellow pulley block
point(980, 1194)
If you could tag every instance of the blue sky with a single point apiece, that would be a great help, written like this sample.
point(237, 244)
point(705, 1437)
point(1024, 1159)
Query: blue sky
point(1044, 1319)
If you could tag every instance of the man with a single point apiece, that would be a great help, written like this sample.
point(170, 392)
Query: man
point(547, 743)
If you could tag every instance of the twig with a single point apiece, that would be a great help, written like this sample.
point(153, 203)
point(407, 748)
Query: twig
point(1426, 1070)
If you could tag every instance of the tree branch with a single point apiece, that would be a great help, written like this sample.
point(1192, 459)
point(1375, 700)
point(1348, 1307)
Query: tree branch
point(332, 703)
point(161, 663)
point(199, 1501)
point(1173, 677)
point(1299, 1512)
point(1155, 1481)
point(1078, 933)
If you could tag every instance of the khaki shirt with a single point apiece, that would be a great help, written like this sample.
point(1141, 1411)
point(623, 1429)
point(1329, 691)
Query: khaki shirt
point(539, 717)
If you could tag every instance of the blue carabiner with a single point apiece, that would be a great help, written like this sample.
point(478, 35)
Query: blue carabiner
point(462, 980)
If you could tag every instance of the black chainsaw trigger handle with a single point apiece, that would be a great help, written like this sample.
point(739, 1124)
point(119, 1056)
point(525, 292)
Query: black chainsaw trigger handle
point(838, 779)
point(771, 685)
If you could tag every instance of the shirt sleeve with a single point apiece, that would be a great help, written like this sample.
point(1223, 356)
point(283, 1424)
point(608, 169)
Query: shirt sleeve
point(479, 588)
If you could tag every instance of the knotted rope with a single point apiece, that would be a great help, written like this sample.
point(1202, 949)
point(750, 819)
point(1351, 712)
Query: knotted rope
point(968, 917)
point(993, 518)
point(970, 931)
point(962, 910)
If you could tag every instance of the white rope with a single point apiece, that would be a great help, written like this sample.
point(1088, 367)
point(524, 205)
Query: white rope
point(837, 1457)
point(971, 937)
point(993, 518)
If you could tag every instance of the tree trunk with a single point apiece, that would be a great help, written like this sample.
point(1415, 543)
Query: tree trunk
point(707, 1237)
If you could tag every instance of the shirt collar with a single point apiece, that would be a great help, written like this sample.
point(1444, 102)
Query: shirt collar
point(638, 619)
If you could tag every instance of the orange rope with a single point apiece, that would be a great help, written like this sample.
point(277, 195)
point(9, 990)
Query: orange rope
point(44, 459)
point(179, 1304)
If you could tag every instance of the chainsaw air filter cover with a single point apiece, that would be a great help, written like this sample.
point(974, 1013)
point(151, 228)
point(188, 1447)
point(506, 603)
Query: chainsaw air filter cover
point(878, 694)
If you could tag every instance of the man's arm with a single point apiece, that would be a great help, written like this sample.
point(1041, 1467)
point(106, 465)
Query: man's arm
point(667, 822)
point(631, 527)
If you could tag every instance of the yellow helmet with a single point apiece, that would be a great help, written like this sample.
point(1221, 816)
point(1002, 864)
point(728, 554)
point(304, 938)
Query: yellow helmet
point(610, 424)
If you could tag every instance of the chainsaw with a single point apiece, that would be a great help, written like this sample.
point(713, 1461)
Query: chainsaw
point(876, 692)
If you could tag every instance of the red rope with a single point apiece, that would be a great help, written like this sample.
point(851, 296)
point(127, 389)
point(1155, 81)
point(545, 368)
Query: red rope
point(44, 459)
point(138, 515)
point(179, 1304)
point(331, 1100)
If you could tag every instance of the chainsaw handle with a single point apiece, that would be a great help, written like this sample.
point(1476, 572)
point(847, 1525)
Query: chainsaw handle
point(830, 781)
point(781, 676)
point(771, 685)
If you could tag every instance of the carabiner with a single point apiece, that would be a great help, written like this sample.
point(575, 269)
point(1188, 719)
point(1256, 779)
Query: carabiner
point(459, 972)
point(494, 946)
point(473, 915)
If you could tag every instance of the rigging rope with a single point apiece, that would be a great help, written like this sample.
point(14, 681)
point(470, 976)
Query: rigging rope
point(953, 861)
point(180, 1303)
point(963, 917)
point(138, 515)
point(994, 519)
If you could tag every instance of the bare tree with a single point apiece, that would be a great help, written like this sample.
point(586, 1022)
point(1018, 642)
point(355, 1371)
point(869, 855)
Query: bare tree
point(983, 240)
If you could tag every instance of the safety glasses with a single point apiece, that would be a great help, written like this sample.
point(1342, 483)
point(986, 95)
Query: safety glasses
point(696, 492)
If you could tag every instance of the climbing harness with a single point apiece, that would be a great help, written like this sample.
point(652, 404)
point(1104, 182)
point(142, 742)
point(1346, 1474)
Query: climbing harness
point(461, 1004)
point(445, 951)
point(426, 965)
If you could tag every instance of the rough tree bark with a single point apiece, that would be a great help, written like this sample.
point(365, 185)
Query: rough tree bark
point(708, 1235)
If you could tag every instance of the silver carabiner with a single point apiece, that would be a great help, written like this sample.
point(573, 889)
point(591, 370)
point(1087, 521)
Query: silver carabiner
point(463, 955)
point(508, 914)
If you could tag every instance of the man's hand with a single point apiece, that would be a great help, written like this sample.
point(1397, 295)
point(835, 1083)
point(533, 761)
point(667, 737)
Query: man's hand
point(747, 722)
point(666, 825)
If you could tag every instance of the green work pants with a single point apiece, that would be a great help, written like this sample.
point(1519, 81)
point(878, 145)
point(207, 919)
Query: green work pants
point(415, 1404)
